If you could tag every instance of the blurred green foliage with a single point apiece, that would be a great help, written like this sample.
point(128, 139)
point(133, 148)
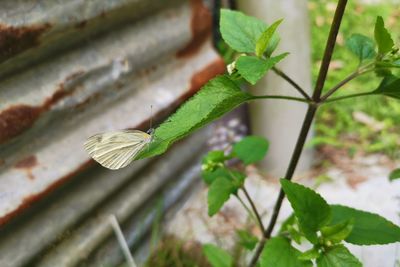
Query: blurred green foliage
point(339, 124)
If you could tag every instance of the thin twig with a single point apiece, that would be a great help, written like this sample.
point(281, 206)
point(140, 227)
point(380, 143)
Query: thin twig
point(339, 85)
point(352, 76)
point(330, 100)
point(254, 208)
point(292, 82)
point(281, 97)
point(249, 211)
point(121, 240)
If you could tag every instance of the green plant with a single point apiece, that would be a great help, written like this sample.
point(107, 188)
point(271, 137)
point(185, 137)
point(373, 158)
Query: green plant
point(338, 125)
point(322, 225)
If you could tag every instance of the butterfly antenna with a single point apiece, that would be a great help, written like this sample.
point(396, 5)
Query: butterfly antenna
point(151, 116)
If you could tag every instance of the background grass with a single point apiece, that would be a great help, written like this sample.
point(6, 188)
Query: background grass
point(335, 124)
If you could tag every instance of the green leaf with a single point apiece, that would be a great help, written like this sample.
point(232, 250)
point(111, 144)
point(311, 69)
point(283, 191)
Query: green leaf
point(237, 178)
point(251, 149)
point(290, 222)
point(215, 156)
point(338, 232)
point(253, 68)
point(218, 193)
point(382, 37)
point(310, 254)
point(390, 86)
point(265, 38)
point(213, 160)
point(246, 239)
point(309, 207)
point(368, 229)
point(217, 257)
point(290, 226)
point(239, 31)
point(216, 98)
point(273, 44)
point(279, 253)
point(395, 174)
point(387, 64)
point(338, 256)
point(210, 176)
point(361, 46)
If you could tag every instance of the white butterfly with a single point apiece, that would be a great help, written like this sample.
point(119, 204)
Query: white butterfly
point(115, 150)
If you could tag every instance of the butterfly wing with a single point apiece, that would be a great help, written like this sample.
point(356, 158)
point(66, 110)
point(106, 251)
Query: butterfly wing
point(115, 150)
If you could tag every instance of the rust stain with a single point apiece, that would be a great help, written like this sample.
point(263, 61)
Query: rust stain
point(201, 25)
point(58, 95)
point(29, 200)
point(209, 72)
point(14, 40)
point(27, 163)
point(62, 92)
point(16, 119)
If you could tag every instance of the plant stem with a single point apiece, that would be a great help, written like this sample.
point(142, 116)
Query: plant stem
point(293, 83)
point(330, 45)
point(281, 97)
point(254, 208)
point(355, 74)
point(312, 108)
point(289, 174)
point(251, 214)
point(347, 96)
point(339, 85)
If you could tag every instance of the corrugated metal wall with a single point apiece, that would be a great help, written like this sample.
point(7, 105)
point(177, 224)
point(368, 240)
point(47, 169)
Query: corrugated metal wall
point(69, 69)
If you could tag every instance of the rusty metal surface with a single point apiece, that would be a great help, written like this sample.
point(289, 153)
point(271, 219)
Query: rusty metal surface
point(33, 29)
point(74, 68)
point(72, 224)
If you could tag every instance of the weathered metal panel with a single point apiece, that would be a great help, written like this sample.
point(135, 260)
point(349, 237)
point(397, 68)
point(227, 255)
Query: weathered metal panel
point(74, 222)
point(74, 68)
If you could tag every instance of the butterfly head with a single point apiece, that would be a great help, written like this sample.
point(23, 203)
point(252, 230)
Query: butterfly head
point(150, 131)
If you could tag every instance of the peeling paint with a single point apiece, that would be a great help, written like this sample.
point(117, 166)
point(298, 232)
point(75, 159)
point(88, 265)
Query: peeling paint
point(19, 118)
point(16, 119)
point(201, 26)
point(29, 200)
point(27, 163)
point(14, 40)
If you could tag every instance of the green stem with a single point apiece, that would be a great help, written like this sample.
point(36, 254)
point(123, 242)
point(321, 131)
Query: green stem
point(292, 82)
point(347, 96)
point(281, 97)
point(254, 208)
point(251, 214)
point(360, 71)
point(339, 85)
